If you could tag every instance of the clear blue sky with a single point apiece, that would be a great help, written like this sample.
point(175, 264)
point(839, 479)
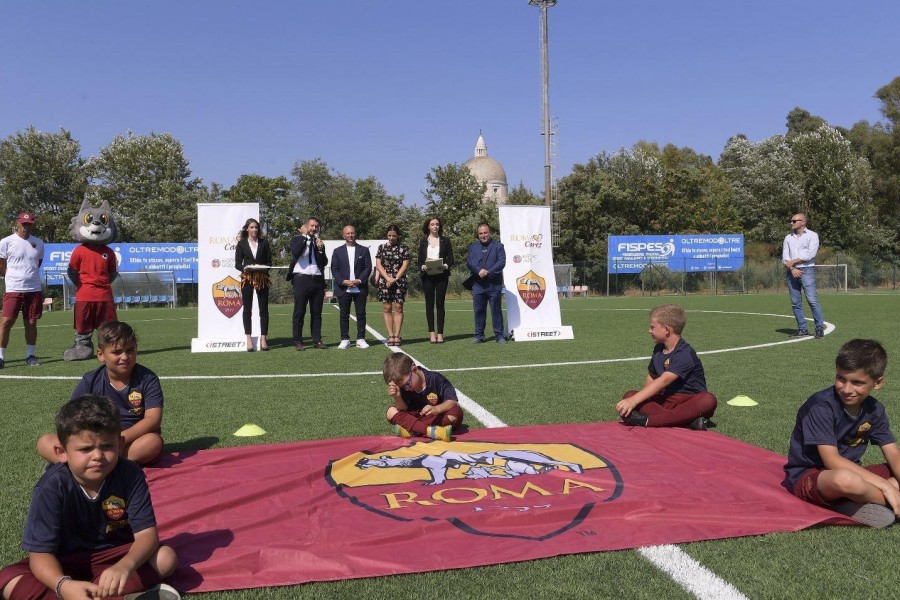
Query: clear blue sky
point(391, 88)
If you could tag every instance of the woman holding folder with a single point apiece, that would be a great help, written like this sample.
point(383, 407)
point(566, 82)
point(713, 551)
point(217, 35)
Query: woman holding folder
point(435, 262)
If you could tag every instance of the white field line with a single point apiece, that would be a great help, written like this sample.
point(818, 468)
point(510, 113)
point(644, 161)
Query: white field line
point(690, 574)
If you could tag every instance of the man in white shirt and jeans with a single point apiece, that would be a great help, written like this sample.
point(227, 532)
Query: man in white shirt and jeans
point(21, 255)
point(799, 257)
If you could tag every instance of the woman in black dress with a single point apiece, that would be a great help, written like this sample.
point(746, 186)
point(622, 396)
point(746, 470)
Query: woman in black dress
point(435, 246)
point(392, 262)
point(254, 250)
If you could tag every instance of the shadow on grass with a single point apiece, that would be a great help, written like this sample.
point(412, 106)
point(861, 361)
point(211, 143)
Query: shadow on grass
point(200, 443)
point(143, 352)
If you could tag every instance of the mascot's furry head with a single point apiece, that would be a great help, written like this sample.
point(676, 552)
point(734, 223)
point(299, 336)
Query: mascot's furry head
point(93, 225)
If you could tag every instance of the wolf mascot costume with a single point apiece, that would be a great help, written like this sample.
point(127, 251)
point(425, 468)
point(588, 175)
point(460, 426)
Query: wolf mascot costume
point(92, 268)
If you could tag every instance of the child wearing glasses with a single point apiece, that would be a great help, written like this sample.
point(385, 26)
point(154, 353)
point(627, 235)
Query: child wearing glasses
point(424, 401)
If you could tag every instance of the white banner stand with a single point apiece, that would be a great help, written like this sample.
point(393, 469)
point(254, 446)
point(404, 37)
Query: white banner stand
point(219, 305)
point(532, 304)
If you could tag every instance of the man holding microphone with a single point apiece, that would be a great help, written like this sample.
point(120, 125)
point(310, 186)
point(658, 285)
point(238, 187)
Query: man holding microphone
point(307, 275)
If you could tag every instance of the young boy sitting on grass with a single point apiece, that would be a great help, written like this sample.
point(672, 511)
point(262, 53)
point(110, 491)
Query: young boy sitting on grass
point(831, 434)
point(133, 388)
point(90, 530)
point(674, 392)
point(424, 401)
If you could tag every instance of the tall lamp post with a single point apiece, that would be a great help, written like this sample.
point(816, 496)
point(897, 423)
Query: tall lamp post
point(545, 95)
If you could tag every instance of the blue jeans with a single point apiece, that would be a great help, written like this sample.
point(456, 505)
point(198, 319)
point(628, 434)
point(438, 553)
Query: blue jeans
point(806, 283)
point(481, 298)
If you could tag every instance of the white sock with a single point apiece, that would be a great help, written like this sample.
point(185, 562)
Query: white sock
point(29, 350)
point(2, 353)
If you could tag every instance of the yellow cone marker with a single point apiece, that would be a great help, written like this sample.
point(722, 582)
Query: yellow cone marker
point(249, 430)
point(743, 401)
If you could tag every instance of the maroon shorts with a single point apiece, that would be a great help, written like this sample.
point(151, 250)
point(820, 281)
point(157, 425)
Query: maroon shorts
point(83, 566)
point(31, 305)
point(89, 315)
point(414, 422)
point(807, 487)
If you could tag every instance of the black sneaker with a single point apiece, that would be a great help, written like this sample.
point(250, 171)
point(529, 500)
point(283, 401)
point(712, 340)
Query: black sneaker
point(636, 419)
point(699, 424)
point(32, 361)
point(800, 333)
point(819, 334)
point(2, 363)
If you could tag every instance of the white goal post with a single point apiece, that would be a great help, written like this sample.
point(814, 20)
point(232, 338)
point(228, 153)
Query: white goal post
point(832, 277)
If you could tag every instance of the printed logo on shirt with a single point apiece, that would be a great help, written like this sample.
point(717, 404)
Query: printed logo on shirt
point(432, 398)
point(135, 398)
point(114, 507)
point(862, 434)
point(666, 364)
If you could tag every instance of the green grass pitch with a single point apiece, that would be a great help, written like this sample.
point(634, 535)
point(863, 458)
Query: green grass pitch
point(527, 383)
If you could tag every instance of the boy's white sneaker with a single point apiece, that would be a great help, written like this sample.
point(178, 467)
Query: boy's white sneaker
point(873, 515)
point(344, 345)
point(361, 343)
point(162, 591)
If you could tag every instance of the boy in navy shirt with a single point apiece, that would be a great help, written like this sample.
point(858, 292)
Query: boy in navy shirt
point(424, 401)
point(674, 392)
point(133, 388)
point(91, 531)
point(831, 434)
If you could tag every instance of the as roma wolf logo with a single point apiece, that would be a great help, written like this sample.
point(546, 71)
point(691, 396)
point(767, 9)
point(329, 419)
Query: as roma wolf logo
point(483, 488)
point(114, 507)
point(531, 287)
point(227, 296)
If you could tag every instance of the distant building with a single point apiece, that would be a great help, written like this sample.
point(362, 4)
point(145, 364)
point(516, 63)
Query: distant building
point(489, 172)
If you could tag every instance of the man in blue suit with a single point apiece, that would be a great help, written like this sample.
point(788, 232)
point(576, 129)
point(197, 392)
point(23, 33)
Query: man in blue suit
point(486, 261)
point(351, 266)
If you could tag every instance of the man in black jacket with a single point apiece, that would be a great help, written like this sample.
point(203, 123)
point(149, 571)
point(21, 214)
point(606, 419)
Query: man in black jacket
point(307, 274)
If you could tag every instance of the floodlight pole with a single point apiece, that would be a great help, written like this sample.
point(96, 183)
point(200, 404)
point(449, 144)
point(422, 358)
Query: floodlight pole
point(545, 93)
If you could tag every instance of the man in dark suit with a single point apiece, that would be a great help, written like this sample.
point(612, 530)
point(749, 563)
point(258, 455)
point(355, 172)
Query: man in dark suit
point(486, 261)
point(307, 274)
point(351, 266)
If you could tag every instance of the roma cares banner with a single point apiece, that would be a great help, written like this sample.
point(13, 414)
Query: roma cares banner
point(267, 515)
point(532, 304)
point(219, 304)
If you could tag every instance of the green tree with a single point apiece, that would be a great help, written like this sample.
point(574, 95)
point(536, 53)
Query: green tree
point(319, 191)
point(148, 184)
point(800, 121)
point(275, 210)
point(767, 186)
point(520, 195)
point(455, 195)
point(837, 190)
point(42, 172)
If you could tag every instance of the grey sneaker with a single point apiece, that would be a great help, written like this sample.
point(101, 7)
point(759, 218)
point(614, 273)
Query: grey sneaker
point(158, 592)
point(32, 361)
point(873, 515)
point(800, 333)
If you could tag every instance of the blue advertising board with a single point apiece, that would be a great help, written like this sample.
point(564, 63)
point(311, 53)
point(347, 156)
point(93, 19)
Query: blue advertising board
point(177, 257)
point(682, 253)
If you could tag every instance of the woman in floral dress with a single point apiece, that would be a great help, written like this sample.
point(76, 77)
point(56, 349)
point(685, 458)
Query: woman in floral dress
point(391, 263)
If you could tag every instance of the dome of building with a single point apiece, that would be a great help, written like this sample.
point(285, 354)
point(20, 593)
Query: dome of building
point(489, 172)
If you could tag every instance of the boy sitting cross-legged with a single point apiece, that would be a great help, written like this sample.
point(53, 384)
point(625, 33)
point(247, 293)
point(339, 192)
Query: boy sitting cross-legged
point(831, 434)
point(424, 401)
point(132, 387)
point(90, 530)
point(674, 392)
